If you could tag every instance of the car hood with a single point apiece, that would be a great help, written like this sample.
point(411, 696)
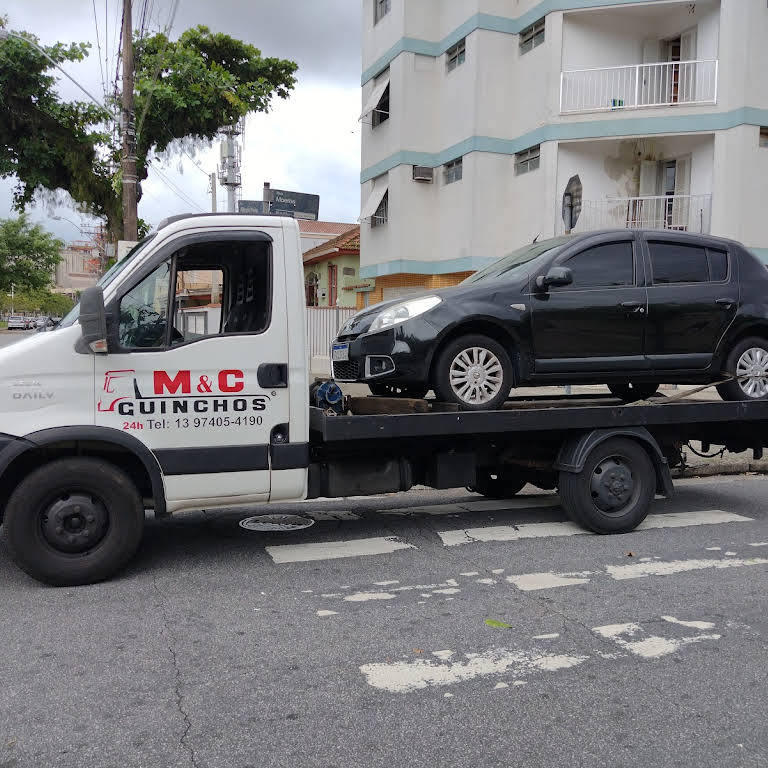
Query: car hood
point(362, 321)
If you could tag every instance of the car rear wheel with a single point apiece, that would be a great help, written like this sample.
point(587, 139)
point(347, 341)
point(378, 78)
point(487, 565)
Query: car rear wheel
point(475, 372)
point(632, 390)
point(748, 361)
point(415, 391)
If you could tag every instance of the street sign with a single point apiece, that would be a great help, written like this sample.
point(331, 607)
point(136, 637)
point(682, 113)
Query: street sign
point(296, 204)
point(256, 207)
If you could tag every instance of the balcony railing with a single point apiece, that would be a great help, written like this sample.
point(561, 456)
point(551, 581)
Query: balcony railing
point(685, 213)
point(640, 85)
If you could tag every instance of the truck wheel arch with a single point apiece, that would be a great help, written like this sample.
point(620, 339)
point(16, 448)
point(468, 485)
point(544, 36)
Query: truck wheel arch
point(575, 450)
point(23, 454)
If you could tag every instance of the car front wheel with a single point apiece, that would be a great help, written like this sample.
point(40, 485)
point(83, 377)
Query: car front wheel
point(748, 362)
point(475, 372)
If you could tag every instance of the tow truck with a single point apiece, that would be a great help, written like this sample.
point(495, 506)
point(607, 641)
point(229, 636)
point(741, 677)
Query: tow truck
point(127, 407)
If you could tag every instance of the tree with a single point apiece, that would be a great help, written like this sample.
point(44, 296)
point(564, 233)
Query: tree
point(186, 91)
point(45, 301)
point(28, 255)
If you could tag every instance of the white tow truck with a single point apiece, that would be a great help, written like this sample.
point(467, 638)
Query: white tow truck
point(181, 382)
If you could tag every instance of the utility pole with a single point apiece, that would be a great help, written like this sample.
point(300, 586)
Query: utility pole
point(229, 172)
point(130, 215)
point(213, 192)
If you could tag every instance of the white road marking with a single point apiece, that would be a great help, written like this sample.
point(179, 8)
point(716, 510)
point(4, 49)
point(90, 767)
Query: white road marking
point(443, 655)
point(327, 613)
point(551, 636)
point(365, 597)
point(498, 571)
point(528, 582)
point(545, 530)
point(714, 549)
point(404, 677)
point(519, 682)
point(332, 550)
point(385, 583)
point(692, 624)
point(758, 544)
point(499, 686)
point(486, 581)
point(447, 591)
point(622, 572)
point(477, 573)
point(653, 646)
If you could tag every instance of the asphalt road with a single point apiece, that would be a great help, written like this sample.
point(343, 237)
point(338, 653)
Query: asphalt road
point(224, 647)
point(10, 337)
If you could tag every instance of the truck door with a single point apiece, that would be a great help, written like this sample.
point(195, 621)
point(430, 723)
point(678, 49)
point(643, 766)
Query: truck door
point(197, 364)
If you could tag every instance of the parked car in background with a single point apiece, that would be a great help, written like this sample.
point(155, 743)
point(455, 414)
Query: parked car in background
point(17, 323)
point(44, 323)
point(630, 308)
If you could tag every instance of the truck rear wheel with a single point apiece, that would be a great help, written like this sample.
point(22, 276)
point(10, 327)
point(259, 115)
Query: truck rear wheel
point(614, 490)
point(74, 521)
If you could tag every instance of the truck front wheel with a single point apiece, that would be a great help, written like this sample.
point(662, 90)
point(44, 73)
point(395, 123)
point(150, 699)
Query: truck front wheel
point(613, 491)
point(74, 521)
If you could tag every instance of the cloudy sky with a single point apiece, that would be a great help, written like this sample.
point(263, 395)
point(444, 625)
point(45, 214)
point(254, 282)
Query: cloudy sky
point(310, 143)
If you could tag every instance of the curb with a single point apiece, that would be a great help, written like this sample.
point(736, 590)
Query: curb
point(723, 467)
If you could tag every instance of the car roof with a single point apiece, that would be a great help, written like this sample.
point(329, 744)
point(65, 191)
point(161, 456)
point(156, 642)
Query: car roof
point(670, 234)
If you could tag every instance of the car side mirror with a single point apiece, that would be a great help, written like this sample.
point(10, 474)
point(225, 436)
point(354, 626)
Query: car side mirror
point(93, 321)
point(557, 276)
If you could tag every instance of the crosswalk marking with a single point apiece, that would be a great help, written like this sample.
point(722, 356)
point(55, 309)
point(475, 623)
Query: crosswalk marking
point(332, 550)
point(639, 570)
point(544, 530)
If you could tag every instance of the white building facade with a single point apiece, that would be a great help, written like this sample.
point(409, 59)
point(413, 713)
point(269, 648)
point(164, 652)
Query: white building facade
point(487, 123)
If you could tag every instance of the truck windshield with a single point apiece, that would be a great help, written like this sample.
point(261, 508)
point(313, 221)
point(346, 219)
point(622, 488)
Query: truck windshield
point(517, 259)
point(109, 276)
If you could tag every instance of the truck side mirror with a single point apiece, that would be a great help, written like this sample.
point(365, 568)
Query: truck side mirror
point(93, 321)
point(557, 276)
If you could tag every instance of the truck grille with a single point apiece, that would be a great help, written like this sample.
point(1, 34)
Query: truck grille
point(346, 371)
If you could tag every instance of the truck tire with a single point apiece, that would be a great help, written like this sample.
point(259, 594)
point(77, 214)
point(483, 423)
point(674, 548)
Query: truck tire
point(749, 355)
point(614, 490)
point(74, 521)
point(475, 372)
point(632, 390)
point(503, 484)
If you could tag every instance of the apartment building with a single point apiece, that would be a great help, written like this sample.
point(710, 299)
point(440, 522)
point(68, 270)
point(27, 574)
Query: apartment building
point(488, 123)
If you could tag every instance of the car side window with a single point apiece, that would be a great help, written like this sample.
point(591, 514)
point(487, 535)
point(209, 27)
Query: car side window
point(686, 263)
point(607, 265)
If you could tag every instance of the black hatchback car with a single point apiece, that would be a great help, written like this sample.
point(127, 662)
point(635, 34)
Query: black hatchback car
point(628, 308)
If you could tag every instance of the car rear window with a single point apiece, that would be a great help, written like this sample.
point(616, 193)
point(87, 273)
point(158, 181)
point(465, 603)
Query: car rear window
point(678, 263)
point(718, 265)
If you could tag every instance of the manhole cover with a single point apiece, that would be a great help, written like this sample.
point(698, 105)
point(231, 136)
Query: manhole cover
point(276, 523)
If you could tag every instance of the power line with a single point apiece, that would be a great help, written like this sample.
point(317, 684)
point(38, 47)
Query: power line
point(178, 192)
point(98, 48)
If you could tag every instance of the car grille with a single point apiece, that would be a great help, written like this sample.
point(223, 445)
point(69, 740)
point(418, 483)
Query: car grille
point(347, 370)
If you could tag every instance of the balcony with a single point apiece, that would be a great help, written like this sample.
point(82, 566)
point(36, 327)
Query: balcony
point(684, 213)
point(637, 86)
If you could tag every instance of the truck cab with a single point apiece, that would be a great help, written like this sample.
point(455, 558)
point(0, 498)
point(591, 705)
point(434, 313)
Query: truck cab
point(197, 386)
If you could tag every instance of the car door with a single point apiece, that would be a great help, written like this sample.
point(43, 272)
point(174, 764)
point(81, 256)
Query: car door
point(597, 322)
point(194, 368)
point(693, 296)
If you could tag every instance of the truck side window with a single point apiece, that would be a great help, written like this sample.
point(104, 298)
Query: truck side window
point(198, 297)
point(144, 311)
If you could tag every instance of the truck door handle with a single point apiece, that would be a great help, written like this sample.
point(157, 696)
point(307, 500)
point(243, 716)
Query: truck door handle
point(725, 302)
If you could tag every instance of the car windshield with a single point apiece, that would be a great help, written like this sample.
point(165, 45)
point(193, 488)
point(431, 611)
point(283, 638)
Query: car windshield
point(108, 277)
point(519, 258)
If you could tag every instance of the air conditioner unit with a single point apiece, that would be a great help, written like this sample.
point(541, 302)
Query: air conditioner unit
point(423, 173)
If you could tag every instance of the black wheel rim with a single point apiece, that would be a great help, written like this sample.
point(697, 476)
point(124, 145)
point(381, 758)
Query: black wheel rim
point(612, 485)
point(74, 522)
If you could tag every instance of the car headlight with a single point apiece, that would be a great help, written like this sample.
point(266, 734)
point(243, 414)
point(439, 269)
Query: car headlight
point(399, 313)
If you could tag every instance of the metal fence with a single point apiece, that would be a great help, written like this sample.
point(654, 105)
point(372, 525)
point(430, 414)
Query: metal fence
point(685, 213)
point(323, 325)
point(639, 85)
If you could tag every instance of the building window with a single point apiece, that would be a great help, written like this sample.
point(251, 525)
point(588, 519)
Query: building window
point(381, 112)
point(381, 216)
point(380, 9)
point(453, 171)
point(764, 137)
point(456, 55)
point(527, 160)
point(532, 36)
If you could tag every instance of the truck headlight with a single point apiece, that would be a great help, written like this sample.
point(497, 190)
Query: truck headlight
point(399, 313)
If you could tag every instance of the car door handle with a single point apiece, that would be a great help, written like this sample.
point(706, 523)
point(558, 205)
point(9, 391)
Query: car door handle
point(725, 302)
point(637, 306)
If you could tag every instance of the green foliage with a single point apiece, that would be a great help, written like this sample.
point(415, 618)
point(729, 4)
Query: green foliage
point(186, 90)
point(42, 301)
point(28, 255)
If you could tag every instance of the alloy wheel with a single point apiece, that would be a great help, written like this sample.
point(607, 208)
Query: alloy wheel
point(476, 375)
point(752, 372)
